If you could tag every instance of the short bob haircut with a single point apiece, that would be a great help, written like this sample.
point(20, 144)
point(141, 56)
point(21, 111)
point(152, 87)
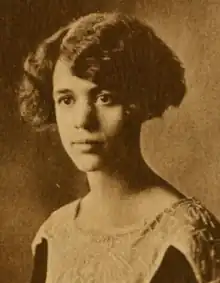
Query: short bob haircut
point(116, 51)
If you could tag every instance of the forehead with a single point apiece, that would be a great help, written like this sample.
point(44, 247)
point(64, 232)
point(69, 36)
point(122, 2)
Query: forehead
point(64, 78)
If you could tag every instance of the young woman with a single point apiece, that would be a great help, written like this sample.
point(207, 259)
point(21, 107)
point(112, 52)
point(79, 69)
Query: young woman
point(98, 79)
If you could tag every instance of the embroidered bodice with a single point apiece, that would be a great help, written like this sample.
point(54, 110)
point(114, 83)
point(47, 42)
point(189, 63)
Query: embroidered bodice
point(179, 245)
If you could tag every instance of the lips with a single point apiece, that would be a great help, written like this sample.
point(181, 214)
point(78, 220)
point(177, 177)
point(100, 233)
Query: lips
point(87, 142)
point(87, 145)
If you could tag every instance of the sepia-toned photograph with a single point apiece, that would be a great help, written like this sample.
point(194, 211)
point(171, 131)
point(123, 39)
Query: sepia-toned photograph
point(109, 138)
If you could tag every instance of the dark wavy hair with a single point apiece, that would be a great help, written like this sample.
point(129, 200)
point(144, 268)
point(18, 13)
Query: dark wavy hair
point(114, 50)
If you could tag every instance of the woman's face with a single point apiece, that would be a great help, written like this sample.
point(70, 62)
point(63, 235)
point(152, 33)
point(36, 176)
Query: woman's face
point(91, 120)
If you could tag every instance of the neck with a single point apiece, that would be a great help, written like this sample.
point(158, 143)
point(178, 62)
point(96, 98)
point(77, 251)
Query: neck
point(122, 180)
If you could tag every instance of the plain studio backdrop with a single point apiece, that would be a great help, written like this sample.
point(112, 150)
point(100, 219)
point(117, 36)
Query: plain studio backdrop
point(37, 177)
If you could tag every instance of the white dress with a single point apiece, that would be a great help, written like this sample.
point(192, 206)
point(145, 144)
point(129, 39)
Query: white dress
point(179, 246)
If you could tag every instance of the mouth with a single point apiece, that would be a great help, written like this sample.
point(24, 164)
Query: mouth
point(87, 142)
point(87, 145)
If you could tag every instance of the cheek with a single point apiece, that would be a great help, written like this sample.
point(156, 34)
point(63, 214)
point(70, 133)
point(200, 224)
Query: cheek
point(112, 121)
point(63, 124)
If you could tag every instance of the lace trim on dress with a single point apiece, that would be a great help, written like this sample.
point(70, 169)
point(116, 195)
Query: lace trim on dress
point(143, 226)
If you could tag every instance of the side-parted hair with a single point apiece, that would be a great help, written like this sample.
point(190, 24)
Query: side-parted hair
point(116, 51)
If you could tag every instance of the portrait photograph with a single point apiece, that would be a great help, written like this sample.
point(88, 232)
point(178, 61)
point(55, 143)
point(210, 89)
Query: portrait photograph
point(109, 138)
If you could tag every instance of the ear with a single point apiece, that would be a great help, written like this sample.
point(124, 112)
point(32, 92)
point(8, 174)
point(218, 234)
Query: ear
point(141, 112)
point(132, 110)
point(133, 115)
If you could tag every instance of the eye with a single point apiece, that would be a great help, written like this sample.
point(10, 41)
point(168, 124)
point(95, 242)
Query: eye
point(66, 100)
point(105, 98)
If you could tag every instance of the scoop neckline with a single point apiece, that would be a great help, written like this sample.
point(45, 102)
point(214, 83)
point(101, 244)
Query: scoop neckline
point(141, 225)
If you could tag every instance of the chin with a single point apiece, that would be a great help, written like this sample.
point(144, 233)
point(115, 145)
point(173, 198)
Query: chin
point(88, 163)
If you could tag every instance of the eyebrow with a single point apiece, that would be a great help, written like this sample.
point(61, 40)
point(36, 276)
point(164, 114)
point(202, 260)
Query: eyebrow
point(62, 91)
point(93, 91)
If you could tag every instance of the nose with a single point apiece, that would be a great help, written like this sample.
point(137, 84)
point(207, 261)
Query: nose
point(85, 116)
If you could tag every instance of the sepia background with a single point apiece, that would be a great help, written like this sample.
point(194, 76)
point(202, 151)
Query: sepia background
point(36, 176)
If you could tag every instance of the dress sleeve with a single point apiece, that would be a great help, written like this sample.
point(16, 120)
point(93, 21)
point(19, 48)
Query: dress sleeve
point(40, 235)
point(181, 273)
point(43, 243)
point(39, 272)
point(199, 242)
point(39, 249)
